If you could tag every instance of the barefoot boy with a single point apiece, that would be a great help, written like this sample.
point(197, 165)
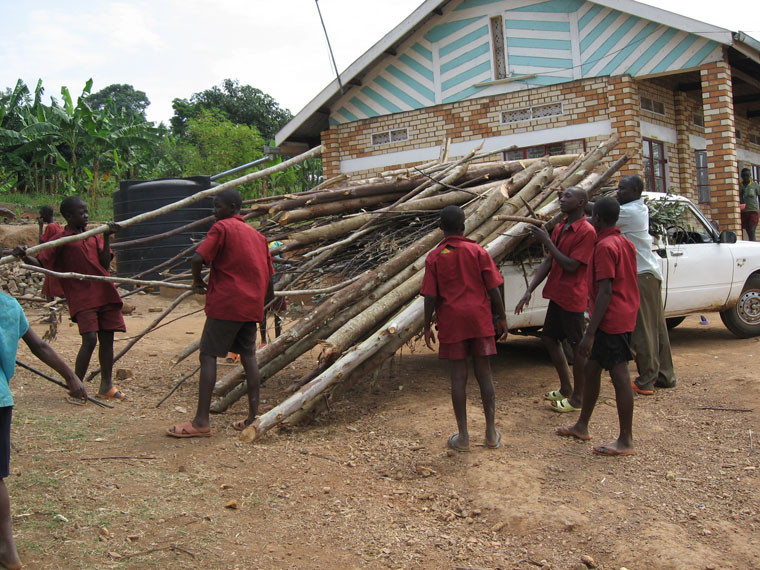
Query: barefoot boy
point(95, 306)
point(14, 326)
point(461, 285)
point(52, 285)
point(614, 297)
point(239, 286)
point(570, 247)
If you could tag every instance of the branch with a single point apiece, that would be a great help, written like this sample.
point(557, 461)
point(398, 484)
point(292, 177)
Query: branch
point(124, 280)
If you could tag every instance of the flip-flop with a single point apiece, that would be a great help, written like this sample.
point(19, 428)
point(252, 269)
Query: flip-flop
point(187, 429)
point(641, 391)
point(232, 358)
point(76, 401)
point(554, 396)
point(565, 432)
point(239, 425)
point(456, 447)
point(611, 451)
point(496, 445)
point(563, 406)
point(113, 394)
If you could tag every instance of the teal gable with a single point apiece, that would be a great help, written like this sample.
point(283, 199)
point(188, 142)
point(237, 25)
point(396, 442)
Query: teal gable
point(478, 48)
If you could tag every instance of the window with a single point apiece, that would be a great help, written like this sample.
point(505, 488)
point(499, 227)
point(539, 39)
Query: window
point(755, 172)
point(698, 120)
point(653, 105)
point(754, 138)
point(497, 40)
point(539, 151)
point(392, 136)
point(531, 113)
point(703, 183)
point(654, 165)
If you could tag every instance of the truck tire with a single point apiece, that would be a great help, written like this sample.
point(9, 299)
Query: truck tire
point(744, 319)
point(673, 322)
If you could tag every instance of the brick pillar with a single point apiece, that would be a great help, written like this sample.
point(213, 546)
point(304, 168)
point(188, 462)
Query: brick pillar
point(687, 163)
point(718, 104)
point(623, 108)
point(330, 153)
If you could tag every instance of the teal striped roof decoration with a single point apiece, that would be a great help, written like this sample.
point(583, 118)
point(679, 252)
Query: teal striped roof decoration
point(443, 53)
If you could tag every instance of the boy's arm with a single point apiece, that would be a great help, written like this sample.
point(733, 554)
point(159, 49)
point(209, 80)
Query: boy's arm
point(541, 273)
point(565, 261)
point(600, 308)
point(104, 255)
point(497, 307)
point(196, 264)
point(46, 354)
point(429, 310)
point(20, 252)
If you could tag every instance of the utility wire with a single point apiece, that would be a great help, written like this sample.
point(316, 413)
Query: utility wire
point(329, 47)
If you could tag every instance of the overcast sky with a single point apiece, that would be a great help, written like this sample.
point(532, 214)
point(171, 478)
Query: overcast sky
point(174, 48)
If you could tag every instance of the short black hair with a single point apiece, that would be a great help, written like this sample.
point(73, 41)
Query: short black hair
point(634, 181)
point(46, 212)
point(747, 170)
point(231, 197)
point(68, 205)
point(608, 210)
point(452, 219)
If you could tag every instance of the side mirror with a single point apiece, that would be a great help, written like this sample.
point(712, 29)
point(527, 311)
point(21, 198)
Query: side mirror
point(727, 236)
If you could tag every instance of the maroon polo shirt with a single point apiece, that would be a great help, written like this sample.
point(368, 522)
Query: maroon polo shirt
point(459, 273)
point(240, 271)
point(52, 285)
point(570, 289)
point(81, 256)
point(615, 258)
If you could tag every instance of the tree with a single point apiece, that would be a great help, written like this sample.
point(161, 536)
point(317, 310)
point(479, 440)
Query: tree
point(121, 98)
point(239, 104)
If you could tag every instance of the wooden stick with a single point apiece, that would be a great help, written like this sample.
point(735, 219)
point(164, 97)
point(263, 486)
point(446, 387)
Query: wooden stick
point(178, 384)
point(316, 151)
point(123, 280)
point(727, 409)
point(507, 218)
point(54, 381)
point(108, 457)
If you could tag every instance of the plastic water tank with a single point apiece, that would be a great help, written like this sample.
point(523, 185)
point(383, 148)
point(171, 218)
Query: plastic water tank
point(138, 196)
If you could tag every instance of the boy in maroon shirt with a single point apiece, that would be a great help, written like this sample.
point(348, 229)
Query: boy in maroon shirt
point(461, 285)
point(570, 248)
point(239, 286)
point(52, 285)
point(94, 305)
point(614, 296)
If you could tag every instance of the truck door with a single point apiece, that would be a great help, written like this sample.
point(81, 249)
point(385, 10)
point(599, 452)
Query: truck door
point(699, 269)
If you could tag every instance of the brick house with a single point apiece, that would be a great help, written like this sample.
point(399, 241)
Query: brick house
point(554, 77)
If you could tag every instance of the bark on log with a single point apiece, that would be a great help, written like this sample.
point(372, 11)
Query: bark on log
point(332, 208)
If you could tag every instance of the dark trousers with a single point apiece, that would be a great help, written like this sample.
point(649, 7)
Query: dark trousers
point(650, 341)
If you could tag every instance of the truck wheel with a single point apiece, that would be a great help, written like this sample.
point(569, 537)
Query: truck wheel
point(744, 319)
point(673, 322)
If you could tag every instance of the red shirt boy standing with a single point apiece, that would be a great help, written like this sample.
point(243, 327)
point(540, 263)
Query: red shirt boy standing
point(239, 286)
point(614, 296)
point(461, 285)
point(52, 286)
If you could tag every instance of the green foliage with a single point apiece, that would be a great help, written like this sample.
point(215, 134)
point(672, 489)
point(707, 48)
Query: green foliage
point(121, 98)
point(240, 104)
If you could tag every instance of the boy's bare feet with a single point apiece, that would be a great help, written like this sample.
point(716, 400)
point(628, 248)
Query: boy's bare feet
point(615, 448)
point(573, 431)
point(9, 557)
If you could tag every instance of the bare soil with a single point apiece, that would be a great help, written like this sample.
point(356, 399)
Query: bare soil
point(371, 485)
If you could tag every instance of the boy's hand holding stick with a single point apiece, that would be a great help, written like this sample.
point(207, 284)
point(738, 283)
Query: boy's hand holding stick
point(54, 381)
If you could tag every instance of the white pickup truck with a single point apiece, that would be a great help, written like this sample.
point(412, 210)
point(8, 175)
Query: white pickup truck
point(703, 270)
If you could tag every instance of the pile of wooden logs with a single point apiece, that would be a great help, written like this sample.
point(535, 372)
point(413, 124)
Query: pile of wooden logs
point(362, 324)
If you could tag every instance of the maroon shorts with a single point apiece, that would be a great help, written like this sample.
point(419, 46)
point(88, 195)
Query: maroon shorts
point(749, 219)
point(483, 346)
point(105, 318)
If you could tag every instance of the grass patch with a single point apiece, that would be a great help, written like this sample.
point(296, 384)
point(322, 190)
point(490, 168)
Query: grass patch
point(35, 200)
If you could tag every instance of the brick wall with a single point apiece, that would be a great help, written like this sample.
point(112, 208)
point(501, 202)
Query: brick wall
point(623, 110)
point(718, 104)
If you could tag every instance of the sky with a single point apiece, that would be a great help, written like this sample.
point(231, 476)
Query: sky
point(174, 48)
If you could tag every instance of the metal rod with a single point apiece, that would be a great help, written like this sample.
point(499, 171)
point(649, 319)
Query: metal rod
point(329, 47)
point(240, 168)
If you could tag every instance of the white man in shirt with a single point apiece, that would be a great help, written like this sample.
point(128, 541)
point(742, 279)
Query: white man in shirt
point(650, 341)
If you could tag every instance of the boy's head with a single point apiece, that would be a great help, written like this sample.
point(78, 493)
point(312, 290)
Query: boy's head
point(74, 209)
point(46, 214)
point(606, 212)
point(745, 174)
point(452, 220)
point(227, 203)
point(629, 189)
point(573, 200)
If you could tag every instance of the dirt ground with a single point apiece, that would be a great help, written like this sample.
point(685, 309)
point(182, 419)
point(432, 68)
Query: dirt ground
point(371, 485)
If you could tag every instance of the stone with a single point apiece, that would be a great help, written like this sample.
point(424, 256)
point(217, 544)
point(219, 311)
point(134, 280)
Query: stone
point(588, 561)
point(123, 373)
point(232, 504)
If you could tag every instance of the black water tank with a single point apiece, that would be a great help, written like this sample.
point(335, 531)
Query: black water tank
point(138, 196)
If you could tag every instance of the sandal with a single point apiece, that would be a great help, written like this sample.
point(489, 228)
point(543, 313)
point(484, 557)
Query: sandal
point(113, 394)
point(554, 396)
point(563, 406)
point(187, 429)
